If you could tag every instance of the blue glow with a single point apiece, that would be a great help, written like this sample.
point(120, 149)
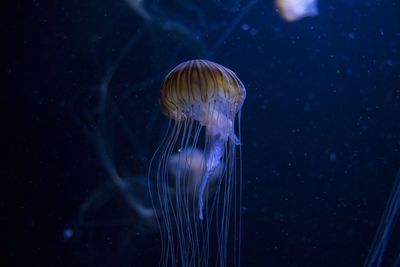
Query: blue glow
point(67, 234)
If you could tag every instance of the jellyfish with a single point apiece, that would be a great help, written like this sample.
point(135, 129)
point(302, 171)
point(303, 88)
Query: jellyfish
point(200, 217)
point(292, 10)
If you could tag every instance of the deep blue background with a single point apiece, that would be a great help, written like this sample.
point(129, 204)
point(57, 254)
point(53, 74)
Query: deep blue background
point(323, 86)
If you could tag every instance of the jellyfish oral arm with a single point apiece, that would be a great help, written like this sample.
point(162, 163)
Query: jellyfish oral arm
point(213, 160)
point(217, 123)
point(219, 129)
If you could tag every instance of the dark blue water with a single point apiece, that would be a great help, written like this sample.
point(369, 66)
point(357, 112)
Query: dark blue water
point(320, 126)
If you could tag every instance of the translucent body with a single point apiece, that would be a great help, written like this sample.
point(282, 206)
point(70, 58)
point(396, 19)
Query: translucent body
point(191, 161)
point(196, 214)
point(292, 10)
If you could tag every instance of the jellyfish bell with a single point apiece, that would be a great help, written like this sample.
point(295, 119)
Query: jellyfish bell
point(293, 10)
point(204, 91)
point(203, 101)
